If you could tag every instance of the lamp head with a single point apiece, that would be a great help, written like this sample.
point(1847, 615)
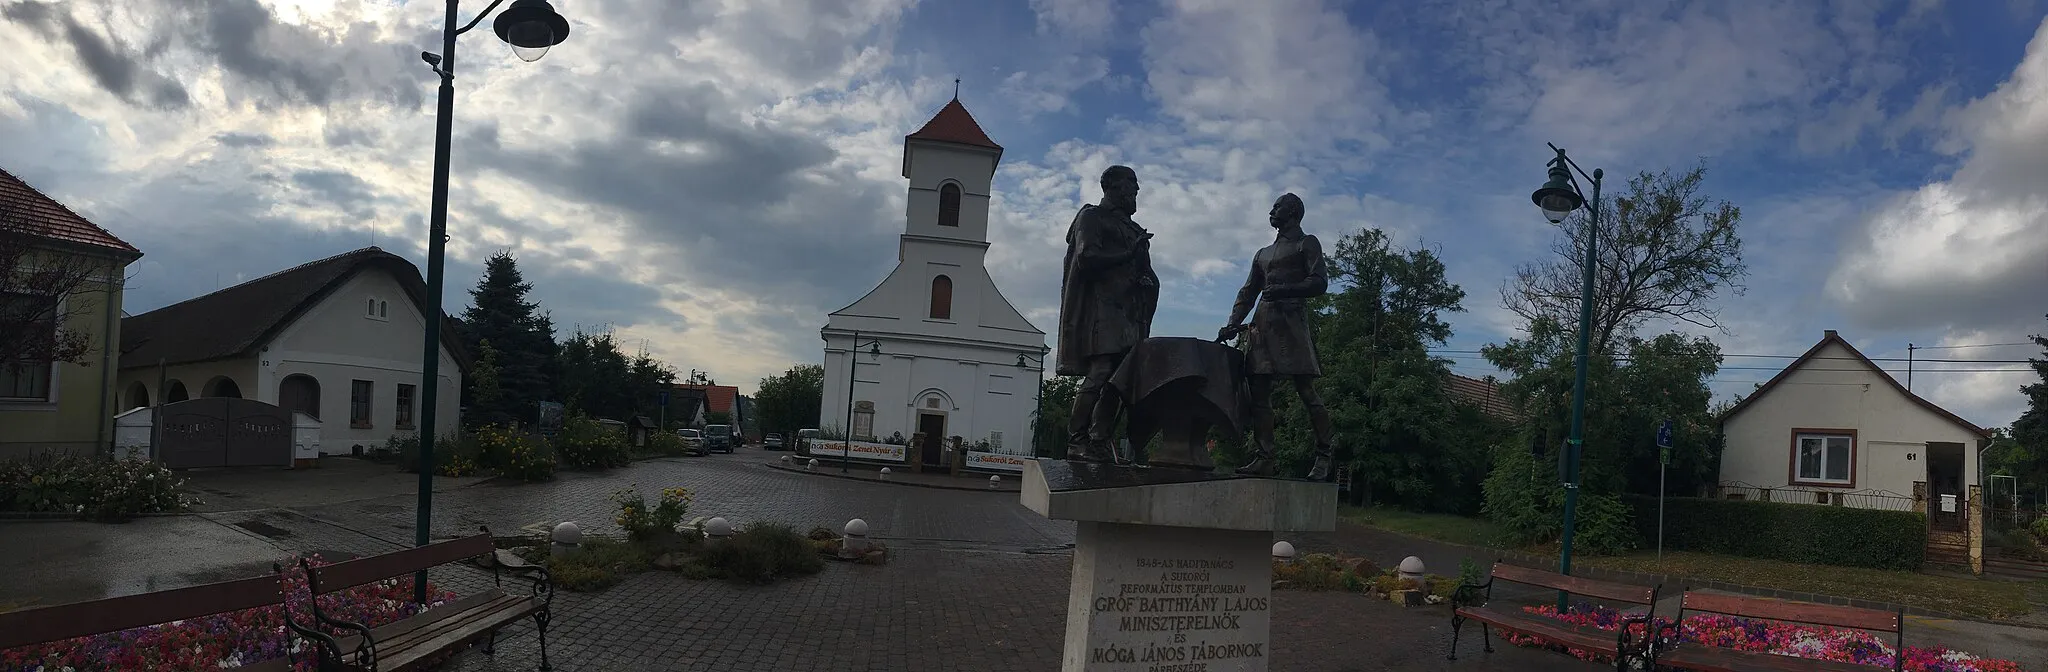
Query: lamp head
point(1558, 197)
point(531, 27)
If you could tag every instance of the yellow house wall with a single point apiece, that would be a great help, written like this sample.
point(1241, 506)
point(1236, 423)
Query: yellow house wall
point(81, 417)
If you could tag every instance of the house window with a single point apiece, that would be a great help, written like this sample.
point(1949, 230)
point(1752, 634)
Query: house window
point(383, 308)
point(949, 204)
point(1823, 458)
point(359, 403)
point(942, 298)
point(376, 309)
point(29, 378)
point(404, 417)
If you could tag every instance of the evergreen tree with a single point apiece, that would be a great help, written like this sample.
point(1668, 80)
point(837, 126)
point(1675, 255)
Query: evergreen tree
point(524, 340)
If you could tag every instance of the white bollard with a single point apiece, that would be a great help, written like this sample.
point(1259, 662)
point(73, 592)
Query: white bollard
point(785, 459)
point(812, 465)
point(717, 530)
point(566, 537)
point(995, 482)
point(884, 475)
point(1411, 568)
point(1283, 552)
point(855, 543)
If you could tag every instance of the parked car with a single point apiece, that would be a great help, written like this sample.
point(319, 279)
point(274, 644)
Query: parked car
point(693, 441)
point(718, 438)
point(772, 441)
point(804, 437)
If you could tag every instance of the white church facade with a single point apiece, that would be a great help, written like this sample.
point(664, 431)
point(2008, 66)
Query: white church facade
point(935, 348)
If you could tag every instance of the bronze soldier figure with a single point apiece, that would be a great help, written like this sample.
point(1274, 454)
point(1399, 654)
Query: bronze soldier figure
point(1107, 295)
point(1284, 276)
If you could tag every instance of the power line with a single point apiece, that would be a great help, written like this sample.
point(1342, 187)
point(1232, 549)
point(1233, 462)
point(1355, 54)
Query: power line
point(1972, 345)
point(1912, 360)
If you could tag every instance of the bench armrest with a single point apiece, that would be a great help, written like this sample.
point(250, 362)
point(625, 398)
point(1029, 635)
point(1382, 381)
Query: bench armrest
point(326, 647)
point(1471, 593)
point(543, 583)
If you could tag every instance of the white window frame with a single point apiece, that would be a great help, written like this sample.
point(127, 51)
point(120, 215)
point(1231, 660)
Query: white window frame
point(376, 309)
point(1826, 437)
point(49, 401)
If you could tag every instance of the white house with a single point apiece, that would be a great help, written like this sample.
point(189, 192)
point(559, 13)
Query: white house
point(937, 348)
point(1833, 423)
point(338, 339)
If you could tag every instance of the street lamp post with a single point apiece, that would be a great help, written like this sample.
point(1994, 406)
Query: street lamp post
point(1558, 198)
point(530, 27)
point(1038, 397)
point(853, 372)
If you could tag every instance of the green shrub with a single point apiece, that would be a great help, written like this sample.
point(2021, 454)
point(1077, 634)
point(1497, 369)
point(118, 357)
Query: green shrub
point(762, 553)
point(586, 444)
point(643, 522)
point(527, 457)
point(597, 564)
point(1803, 533)
point(666, 443)
point(453, 456)
point(94, 488)
point(2041, 529)
point(1524, 497)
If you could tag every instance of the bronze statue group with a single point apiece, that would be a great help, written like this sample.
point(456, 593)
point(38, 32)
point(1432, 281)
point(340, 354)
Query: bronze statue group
point(1108, 292)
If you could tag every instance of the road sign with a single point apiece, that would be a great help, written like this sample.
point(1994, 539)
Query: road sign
point(662, 398)
point(1664, 435)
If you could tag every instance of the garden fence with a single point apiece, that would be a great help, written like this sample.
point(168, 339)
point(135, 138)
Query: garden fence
point(1884, 500)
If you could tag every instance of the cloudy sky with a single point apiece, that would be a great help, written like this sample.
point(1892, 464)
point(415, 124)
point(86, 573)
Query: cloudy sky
point(711, 178)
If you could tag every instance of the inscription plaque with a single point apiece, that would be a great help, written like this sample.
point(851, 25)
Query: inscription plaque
point(1164, 599)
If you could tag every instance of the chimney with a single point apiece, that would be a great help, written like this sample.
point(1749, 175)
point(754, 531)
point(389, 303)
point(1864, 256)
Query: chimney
point(1830, 334)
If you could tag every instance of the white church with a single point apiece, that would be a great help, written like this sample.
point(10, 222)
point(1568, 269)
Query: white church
point(935, 348)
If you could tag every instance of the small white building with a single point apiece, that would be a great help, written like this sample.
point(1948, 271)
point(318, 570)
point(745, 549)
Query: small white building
point(337, 339)
point(1833, 425)
point(935, 348)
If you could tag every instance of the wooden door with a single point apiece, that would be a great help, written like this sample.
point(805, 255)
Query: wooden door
point(933, 426)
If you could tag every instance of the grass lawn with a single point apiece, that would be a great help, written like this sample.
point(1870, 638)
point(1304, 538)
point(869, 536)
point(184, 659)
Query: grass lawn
point(1981, 598)
point(1439, 526)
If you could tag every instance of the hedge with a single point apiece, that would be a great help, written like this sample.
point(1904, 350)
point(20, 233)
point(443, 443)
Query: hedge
point(1813, 534)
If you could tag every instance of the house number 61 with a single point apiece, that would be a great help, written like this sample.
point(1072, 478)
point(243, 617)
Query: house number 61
point(1910, 457)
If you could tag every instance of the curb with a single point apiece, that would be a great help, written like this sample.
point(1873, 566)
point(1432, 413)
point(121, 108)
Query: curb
point(1666, 581)
point(59, 516)
point(851, 477)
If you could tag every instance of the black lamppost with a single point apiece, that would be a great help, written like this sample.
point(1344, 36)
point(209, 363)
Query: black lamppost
point(1037, 398)
point(531, 27)
point(1558, 198)
point(853, 372)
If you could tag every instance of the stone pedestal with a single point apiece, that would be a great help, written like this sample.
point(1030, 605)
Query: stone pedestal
point(1172, 568)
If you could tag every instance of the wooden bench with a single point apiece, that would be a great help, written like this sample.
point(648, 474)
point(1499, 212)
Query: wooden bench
point(1473, 602)
point(425, 637)
point(114, 614)
point(1668, 652)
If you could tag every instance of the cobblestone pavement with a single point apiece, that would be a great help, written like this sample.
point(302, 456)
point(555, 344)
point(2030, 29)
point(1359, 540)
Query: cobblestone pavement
point(738, 487)
point(974, 582)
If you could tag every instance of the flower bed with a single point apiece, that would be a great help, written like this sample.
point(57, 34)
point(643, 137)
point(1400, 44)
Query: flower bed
point(1786, 639)
point(226, 640)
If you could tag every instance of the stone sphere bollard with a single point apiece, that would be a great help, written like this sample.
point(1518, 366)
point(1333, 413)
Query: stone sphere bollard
point(566, 537)
point(1283, 552)
point(1411, 568)
point(785, 459)
point(855, 543)
point(995, 482)
point(812, 465)
point(884, 475)
point(717, 530)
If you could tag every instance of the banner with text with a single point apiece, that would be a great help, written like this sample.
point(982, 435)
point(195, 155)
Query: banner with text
point(862, 450)
point(997, 461)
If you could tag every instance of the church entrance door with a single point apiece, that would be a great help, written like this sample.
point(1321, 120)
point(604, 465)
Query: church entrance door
point(932, 452)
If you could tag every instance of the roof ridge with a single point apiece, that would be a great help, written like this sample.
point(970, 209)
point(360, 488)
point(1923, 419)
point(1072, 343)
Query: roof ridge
point(274, 274)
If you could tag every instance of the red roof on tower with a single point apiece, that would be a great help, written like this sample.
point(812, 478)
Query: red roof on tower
point(953, 124)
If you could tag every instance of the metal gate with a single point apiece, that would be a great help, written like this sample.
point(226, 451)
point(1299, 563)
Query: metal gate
point(222, 432)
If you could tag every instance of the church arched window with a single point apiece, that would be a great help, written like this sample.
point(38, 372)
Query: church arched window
point(942, 298)
point(949, 204)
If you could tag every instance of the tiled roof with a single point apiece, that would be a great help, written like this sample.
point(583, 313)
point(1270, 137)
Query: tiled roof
point(53, 220)
point(1483, 393)
point(1829, 336)
point(953, 124)
point(237, 320)
point(717, 398)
